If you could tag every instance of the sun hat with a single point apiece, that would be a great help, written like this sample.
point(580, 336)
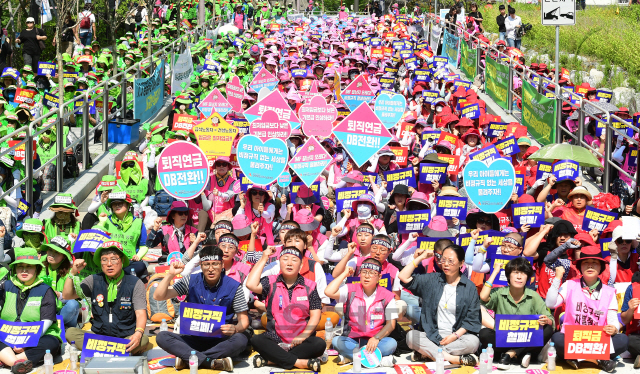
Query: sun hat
point(419, 198)
point(524, 141)
point(177, 206)
point(449, 191)
point(108, 182)
point(473, 215)
point(591, 252)
point(354, 176)
point(580, 190)
point(306, 220)
point(60, 245)
point(399, 189)
point(63, 202)
point(305, 196)
point(617, 234)
point(437, 228)
point(111, 245)
point(27, 256)
point(33, 225)
point(119, 196)
point(358, 209)
point(241, 225)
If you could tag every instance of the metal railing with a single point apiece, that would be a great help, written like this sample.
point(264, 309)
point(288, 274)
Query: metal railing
point(586, 109)
point(102, 117)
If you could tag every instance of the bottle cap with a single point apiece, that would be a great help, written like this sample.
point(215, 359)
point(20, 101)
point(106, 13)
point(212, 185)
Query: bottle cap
point(193, 352)
point(484, 350)
point(73, 342)
point(328, 319)
point(48, 351)
point(552, 344)
point(490, 345)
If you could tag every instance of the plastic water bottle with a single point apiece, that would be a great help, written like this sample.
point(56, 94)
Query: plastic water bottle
point(325, 357)
point(193, 363)
point(163, 325)
point(357, 364)
point(328, 332)
point(84, 310)
point(484, 360)
point(490, 354)
point(440, 362)
point(551, 362)
point(48, 363)
point(339, 328)
point(73, 356)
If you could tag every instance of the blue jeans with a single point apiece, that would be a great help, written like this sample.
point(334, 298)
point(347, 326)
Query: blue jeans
point(86, 38)
point(503, 36)
point(345, 345)
point(514, 43)
point(70, 312)
point(413, 306)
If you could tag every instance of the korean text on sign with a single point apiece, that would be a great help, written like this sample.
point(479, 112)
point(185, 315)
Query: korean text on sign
point(202, 320)
point(586, 342)
point(21, 334)
point(518, 331)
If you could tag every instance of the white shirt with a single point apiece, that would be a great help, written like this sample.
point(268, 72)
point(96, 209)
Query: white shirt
point(390, 311)
point(510, 25)
point(143, 12)
point(447, 310)
point(87, 14)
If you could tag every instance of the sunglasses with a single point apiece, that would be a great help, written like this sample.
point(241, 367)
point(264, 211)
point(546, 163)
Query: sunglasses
point(259, 193)
point(484, 221)
point(620, 241)
point(182, 213)
point(127, 166)
point(222, 164)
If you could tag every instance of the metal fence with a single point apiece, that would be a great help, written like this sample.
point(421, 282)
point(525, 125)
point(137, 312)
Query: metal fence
point(599, 112)
point(102, 117)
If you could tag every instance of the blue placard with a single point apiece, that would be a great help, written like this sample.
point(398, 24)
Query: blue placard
point(47, 68)
point(427, 243)
point(21, 334)
point(404, 176)
point(242, 124)
point(521, 330)
point(597, 219)
point(413, 221)
point(545, 170)
point(375, 42)
point(604, 246)
point(531, 214)
point(519, 184)
point(471, 111)
point(71, 76)
point(430, 172)
point(440, 61)
point(501, 279)
point(508, 146)
point(367, 181)
point(410, 62)
point(23, 208)
point(245, 183)
point(63, 333)
point(148, 95)
point(202, 320)
point(451, 207)
point(430, 96)
point(461, 83)
point(422, 75)
point(345, 196)
point(387, 83)
point(95, 345)
point(496, 129)
point(89, 240)
point(565, 170)
point(385, 281)
point(604, 95)
point(315, 188)
point(50, 100)
point(632, 156)
point(486, 154)
point(10, 72)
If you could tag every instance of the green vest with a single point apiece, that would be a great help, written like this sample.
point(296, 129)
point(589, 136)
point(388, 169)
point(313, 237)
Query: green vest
point(129, 239)
point(47, 154)
point(56, 283)
point(137, 191)
point(51, 230)
point(31, 311)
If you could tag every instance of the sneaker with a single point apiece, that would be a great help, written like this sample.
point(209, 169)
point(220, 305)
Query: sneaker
point(22, 367)
point(225, 364)
point(387, 361)
point(417, 356)
point(469, 360)
point(343, 360)
point(572, 363)
point(505, 362)
point(607, 365)
point(526, 360)
point(636, 363)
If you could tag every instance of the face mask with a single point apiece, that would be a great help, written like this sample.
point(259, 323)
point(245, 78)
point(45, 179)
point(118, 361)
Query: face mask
point(33, 241)
point(438, 109)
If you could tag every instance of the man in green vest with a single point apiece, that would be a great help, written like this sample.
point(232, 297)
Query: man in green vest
point(26, 298)
point(118, 301)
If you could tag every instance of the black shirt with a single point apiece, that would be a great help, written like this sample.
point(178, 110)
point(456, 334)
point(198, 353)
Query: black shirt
point(476, 15)
point(29, 41)
point(500, 21)
point(451, 18)
point(5, 50)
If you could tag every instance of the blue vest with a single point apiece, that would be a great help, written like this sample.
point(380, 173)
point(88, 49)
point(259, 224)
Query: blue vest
point(220, 295)
point(123, 318)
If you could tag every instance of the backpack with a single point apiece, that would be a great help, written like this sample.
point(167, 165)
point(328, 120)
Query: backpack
point(85, 22)
point(70, 169)
point(138, 17)
point(159, 310)
point(250, 11)
point(162, 202)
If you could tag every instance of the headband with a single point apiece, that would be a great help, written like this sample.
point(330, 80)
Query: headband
point(511, 240)
point(381, 242)
point(370, 266)
point(288, 227)
point(366, 229)
point(230, 240)
point(211, 258)
point(219, 226)
point(289, 251)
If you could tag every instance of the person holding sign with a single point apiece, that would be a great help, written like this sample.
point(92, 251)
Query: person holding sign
point(294, 332)
point(256, 206)
point(118, 301)
point(370, 313)
point(25, 297)
point(587, 301)
point(221, 185)
point(563, 188)
point(210, 287)
point(452, 320)
point(515, 299)
point(579, 198)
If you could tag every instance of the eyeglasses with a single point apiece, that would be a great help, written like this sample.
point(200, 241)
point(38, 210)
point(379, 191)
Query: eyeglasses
point(117, 204)
point(450, 261)
point(222, 164)
point(509, 248)
point(369, 273)
point(438, 256)
point(209, 265)
point(379, 248)
point(259, 193)
point(23, 268)
point(113, 261)
point(620, 241)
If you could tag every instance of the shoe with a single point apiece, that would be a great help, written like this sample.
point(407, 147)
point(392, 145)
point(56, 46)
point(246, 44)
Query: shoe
point(22, 367)
point(181, 364)
point(225, 364)
point(469, 360)
point(572, 363)
point(544, 354)
point(526, 360)
point(607, 365)
point(636, 363)
point(505, 362)
point(387, 361)
point(314, 364)
point(345, 360)
point(417, 357)
point(258, 361)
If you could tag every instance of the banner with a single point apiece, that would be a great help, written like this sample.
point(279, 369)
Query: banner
point(215, 136)
point(385, 281)
point(310, 160)
point(401, 155)
point(47, 68)
point(430, 172)
point(497, 82)
point(426, 243)
point(520, 330)
point(183, 170)
point(21, 334)
point(586, 342)
point(468, 59)
point(566, 170)
point(531, 214)
point(496, 129)
point(451, 207)
point(89, 241)
point(262, 162)
point(450, 44)
point(508, 146)
point(434, 40)
point(23, 208)
point(404, 176)
point(181, 73)
point(345, 196)
point(597, 219)
point(490, 186)
point(202, 320)
point(413, 221)
point(24, 96)
point(148, 94)
point(486, 154)
point(95, 345)
point(538, 114)
point(183, 122)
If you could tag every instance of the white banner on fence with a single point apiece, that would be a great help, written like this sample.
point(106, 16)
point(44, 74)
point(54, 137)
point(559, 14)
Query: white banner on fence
point(182, 70)
point(436, 32)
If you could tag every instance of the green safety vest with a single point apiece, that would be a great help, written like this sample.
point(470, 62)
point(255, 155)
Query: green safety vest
point(31, 311)
point(137, 191)
point(50, 152)
point(128, 239)
point(56, 283)
point(51, 230)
